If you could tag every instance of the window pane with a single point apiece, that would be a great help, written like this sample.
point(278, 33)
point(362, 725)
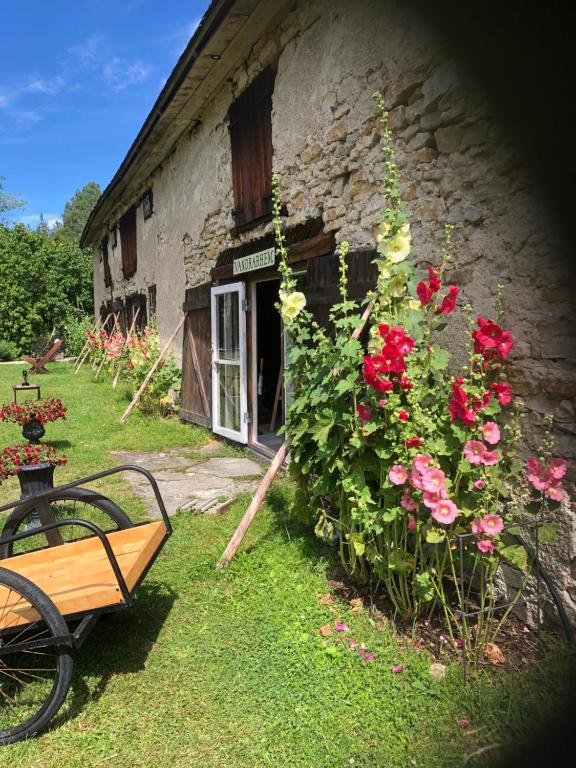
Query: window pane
point(228, 326)
point(229, 396)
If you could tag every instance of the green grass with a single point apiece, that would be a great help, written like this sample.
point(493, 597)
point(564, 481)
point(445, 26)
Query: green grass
point(227, 670)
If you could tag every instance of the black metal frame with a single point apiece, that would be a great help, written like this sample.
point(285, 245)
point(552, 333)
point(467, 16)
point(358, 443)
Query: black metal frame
point(88, 618)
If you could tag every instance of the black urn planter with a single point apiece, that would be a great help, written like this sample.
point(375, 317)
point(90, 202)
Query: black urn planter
point(33, 431)
point(35, 478)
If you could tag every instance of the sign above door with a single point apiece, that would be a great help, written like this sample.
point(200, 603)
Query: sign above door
point(254, 261)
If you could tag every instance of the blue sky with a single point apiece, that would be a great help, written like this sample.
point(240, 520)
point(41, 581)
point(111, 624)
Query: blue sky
point(77, 80)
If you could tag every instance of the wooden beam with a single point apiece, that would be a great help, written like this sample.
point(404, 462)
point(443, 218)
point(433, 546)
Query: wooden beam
point(197, 371)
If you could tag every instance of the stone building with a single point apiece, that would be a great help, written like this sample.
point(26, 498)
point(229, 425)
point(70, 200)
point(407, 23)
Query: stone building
point(286, 85)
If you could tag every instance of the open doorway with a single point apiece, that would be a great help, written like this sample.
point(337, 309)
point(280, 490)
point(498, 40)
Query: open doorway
point(267, 366)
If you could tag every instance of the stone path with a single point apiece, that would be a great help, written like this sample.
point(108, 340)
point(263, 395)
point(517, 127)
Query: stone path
point(183, 480)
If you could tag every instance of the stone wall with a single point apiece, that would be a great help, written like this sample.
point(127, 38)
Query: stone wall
point(457, 165)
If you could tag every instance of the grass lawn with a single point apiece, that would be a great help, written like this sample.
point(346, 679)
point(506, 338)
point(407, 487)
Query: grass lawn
point(228, 669)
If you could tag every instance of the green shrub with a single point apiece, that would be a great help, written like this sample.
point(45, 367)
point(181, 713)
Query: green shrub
point(7, 351)
point(75, 328)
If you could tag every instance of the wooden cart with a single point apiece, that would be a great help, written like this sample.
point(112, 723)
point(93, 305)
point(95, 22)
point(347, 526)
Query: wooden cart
point(90, 561)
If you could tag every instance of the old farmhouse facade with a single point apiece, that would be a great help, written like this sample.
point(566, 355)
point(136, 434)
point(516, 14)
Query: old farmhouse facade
point(286, 86)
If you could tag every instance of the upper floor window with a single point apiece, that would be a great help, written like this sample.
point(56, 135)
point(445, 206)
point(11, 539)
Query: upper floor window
point(106, 263)
point(128, 242)
point(147, 204)
point(251, 140)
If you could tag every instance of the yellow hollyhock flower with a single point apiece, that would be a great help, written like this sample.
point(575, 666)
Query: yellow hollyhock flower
point(413, 304)
point(292, 304)
point(397, 248)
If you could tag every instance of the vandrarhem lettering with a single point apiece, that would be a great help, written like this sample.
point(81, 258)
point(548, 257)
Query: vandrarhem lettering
point(254, 261)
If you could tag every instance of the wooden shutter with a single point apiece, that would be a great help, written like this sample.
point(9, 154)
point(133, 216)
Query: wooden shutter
point(128, 242)
point(134, 302)
point(251, 142)
point(322, 278)
point(106, 263)
point(196, 391)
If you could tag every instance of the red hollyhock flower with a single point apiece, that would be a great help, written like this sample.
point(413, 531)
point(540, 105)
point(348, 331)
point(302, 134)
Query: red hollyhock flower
point(503, 392)
point(413, 442)
point(448, 303)
point(396, 338)
point(491, 341)
point(457, 407)
point(374, 369)
point(405, 383)
point(403, 415)
point(434, 282)
point(364, 412)
point(424, 293)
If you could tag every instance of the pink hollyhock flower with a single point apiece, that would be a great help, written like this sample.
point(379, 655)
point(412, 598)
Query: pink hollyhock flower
point(490, 458)
point(341, 627)
point(537, 474)
point(407, 502)
point(403, 415)
point(556, 493)
point(448, 303)
point(492, 525)
point(413, 442)
point(431, 498)
point(476, 526)
point(421, 461)
point(352, 644)
point(503, 392)
point(486, 546)
point(382, 402)
point(364, 412)
point(557, 468)
point(398, 474)
point(411, 523)
point(445, 512)
point(478, 484)
point(397, 668)
point(491, 432)
point(433, 479)
point(474, 450)
point(369, 657)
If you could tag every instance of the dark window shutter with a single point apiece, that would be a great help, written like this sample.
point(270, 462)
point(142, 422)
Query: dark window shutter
point(322, 277)
point(106, 263)
point(128, 242)
point(196, 391)
point(251, 142)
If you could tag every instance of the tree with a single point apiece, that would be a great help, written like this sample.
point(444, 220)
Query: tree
point(77, 210)
point(8, 202)
point(44, 282)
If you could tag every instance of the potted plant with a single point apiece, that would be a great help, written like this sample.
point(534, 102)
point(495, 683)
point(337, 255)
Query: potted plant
point(33, 464)
point(32, 415)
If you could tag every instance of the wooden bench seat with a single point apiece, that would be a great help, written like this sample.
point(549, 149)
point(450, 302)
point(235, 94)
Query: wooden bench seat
point(78, 575)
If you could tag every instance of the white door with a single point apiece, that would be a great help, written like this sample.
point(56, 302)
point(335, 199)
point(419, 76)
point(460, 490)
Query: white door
point(229, 390)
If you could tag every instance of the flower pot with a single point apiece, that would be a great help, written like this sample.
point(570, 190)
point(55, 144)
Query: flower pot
point(33, 431)
point(35, 478)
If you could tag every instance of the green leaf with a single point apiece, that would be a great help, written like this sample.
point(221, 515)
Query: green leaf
point(359, 547)
point(435, 536)
point(440, 359)
point(515, 554)
point(547, 533)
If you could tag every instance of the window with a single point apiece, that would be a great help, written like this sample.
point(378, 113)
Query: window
point(128, 242)
point(151, 303)
point(107, 273)
point(147, 207)
point(251, 141)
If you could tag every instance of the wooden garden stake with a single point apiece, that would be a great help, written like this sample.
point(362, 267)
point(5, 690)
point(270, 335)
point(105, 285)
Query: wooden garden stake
point(150, 373)
point(130, 332)
point(87, 347)
point(116, 325)
point(86, 344)
point(266, 481)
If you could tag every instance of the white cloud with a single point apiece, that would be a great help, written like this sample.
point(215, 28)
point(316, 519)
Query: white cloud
point(33, 219)
point(118, 73)
point(49, 86)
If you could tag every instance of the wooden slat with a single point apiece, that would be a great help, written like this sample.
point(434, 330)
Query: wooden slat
point(78, 575)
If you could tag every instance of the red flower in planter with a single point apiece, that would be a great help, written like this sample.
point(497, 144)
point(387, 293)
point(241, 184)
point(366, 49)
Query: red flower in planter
point(43, 411)
point(13, 459)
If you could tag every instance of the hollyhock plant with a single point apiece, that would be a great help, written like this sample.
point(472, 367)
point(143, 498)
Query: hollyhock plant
point(406, 461)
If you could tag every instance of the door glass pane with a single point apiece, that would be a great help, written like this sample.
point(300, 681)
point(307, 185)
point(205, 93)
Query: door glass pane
point(228, 326)
point(229, 396)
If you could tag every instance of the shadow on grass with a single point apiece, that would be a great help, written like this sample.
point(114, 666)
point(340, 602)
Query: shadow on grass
point(59, 444)
point(119, 644)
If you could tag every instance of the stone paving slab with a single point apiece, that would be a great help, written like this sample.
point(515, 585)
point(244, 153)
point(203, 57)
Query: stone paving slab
point(182, 480)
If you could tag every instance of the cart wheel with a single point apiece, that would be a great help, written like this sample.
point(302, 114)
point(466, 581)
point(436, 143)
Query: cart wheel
point(75, 502)
point(33, 681)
